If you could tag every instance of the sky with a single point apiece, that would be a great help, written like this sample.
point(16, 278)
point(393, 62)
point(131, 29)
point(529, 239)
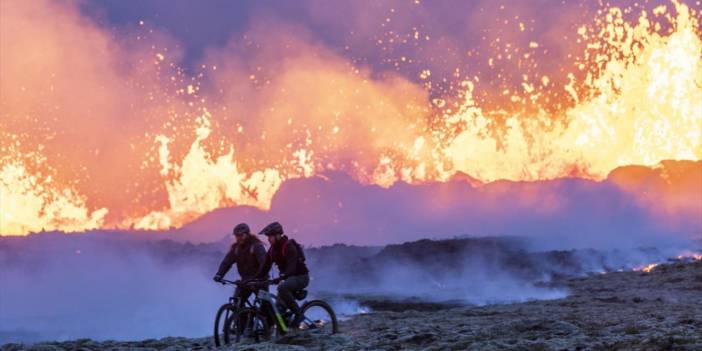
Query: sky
point(150, 114)
point(354, 30)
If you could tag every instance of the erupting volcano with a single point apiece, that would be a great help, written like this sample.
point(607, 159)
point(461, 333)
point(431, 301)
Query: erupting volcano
point(530, 169)
point(113, 131)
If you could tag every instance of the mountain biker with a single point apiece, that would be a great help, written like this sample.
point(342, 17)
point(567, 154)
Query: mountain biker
point(248, 253)
point(294, 275)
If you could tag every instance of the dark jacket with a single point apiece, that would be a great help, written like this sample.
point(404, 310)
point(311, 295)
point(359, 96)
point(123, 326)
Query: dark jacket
point(248, 256)
point(289, 264)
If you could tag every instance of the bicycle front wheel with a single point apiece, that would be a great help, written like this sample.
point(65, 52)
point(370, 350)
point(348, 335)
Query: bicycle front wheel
point(319, 317)
point(223, 315)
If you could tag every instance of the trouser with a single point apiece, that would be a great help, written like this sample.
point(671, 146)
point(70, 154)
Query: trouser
point(243, 293)
point(288, 287)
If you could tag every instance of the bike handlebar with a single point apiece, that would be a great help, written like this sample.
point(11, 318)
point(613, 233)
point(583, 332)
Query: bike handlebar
point(247, 282)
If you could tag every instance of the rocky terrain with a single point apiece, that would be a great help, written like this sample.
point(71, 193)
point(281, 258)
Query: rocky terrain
point(656, 310)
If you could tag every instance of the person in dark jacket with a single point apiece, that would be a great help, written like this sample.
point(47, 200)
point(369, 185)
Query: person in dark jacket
point(248, 253)
point(289, 258)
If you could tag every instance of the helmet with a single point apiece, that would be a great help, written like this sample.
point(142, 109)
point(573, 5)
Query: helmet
point(241, 229)
point(272, 229)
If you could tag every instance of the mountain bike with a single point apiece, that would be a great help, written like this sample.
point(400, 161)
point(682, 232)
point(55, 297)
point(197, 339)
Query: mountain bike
point(223, 318)
point(263, 319)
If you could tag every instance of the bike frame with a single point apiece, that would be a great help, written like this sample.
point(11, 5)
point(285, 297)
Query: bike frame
point(234, 299)
point(272, 300)
point(260, 296)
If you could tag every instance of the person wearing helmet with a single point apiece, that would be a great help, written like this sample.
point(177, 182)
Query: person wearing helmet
point(290, 259)
point(248, 253)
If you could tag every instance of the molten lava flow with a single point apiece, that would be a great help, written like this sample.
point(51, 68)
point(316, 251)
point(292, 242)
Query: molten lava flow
point(635, 97)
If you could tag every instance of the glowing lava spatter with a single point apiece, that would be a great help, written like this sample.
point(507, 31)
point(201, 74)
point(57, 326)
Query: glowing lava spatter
point(200, 184)
point(32, 202)
point(641, 103)
point(635, 98)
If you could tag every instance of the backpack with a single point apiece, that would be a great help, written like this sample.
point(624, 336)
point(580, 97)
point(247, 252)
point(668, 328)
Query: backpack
point(300, 252)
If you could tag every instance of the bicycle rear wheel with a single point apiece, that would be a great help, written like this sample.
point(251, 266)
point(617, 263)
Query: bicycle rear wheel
point(319, 317)
point(223, 314)
point(248, 323)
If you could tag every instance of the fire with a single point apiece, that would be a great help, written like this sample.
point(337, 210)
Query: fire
point(641, 102)
point(31, 204)
point(634, 97)
point(694, 256)
point(647, 268)
point(683, 256)
point(200, 183)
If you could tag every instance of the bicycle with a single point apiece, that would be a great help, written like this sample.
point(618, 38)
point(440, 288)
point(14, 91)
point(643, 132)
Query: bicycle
point(226, 311)
point(260, 317)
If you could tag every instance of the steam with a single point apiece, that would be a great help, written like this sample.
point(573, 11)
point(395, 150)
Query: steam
point(473, 283)
point(560, 214)
point(103, 289)
point(118, 286)
point(478, 271)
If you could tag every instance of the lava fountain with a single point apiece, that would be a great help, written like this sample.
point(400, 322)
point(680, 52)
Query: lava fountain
point(184, 143)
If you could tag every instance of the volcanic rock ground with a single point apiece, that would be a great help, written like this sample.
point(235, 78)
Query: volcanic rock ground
point(660, 310)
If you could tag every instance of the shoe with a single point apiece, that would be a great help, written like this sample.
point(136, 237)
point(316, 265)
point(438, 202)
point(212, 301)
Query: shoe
point(288, 317)
point(296, 321)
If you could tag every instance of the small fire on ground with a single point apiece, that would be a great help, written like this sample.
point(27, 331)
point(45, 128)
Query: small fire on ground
point(685, 256)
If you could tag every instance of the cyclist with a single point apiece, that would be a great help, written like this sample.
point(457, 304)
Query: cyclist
point(248, 253)
point(294, 275)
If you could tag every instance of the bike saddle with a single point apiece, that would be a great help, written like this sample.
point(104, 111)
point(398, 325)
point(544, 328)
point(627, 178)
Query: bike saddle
point(300, 294)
